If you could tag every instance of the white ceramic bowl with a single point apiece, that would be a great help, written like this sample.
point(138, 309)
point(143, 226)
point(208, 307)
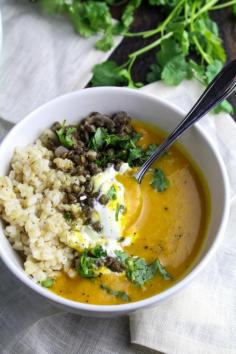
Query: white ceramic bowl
point(75, 106)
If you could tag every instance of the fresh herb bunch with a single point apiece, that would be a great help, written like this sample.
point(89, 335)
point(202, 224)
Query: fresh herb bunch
point(186, 32)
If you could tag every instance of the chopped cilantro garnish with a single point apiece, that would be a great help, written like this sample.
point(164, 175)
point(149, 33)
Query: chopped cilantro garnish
point(117, 293)
point(98, 252)
point(87, 267)
point(65, 135)
point(134, 154)
point(163, 272)
point(119, 209)
point(98, 139)
point(68, 216)
point(159, 182)
point(111, 194)
point(47, 283)
point(138, 271)
point(114, 147)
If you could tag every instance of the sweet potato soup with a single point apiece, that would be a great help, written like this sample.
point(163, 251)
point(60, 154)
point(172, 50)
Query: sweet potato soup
point(165, 218)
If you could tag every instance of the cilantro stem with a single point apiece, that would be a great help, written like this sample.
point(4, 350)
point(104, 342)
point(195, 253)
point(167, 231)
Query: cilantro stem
point(222, 6)
point(151, 46)
point(201, 50)
point(162, 27)
point(198, 45)
point(205, 8)
point(122, 66)
point(186, 12)
point(122, 2)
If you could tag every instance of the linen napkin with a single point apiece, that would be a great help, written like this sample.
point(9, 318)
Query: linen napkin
point(200, 319)
point(42, 57)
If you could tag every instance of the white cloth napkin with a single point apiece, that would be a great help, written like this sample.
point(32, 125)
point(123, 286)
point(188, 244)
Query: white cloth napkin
point(201, 319)
point(42, 57)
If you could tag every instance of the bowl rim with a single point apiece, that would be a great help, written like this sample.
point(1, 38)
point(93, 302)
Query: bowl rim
point(129, 307)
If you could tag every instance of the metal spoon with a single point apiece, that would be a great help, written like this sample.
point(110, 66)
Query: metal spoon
point(218, 90)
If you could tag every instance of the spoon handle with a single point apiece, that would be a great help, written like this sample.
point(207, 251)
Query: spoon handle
point(218, 90)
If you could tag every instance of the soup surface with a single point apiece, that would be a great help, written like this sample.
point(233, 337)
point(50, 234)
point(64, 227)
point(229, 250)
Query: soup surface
point(168, 225)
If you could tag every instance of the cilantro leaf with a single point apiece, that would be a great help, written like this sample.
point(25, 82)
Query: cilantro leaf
point(134, 154)
point(162, 271)
point(98, 139)
point(111, 194)
point(154, 74)
point(176, 70)
point(117, 293)
point(234, 9)
point(98, 252)
point(86, 266)
point(107, 74)
point(206, 32)
point(106, 42)
point(65, 135)
point(68, 216)
point(149, 151)
point(224, 106)
point(198, 71)
point(212, 70)
point(47, 283)
point(113, 140)
point(122, 256)
point(119, 209)
point(159, 182)
point(128, 15)
point(90, 17)
point(138, 271)
point(53, 6)
point(169, 50)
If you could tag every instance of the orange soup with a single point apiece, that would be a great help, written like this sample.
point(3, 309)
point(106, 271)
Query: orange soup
point(166, 216)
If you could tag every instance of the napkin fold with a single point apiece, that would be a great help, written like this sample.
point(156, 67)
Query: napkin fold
point(201, 319)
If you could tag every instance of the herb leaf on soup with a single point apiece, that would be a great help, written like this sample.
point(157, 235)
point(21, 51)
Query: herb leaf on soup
point(65, 135)
point(162, 271)
point(98, 252)
point(47, 283)
point(111, 194)
point(119, 209)
point(138, 271)
point(87, 267)
point(68, 216)
point(159, 181)
point(98, 139)
point(125, 148)
point(117, 293)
